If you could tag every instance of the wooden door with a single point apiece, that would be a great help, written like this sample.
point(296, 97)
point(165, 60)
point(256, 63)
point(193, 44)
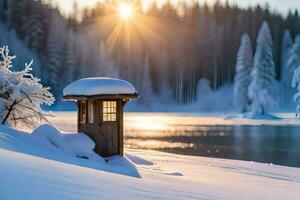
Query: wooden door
point(109, 127)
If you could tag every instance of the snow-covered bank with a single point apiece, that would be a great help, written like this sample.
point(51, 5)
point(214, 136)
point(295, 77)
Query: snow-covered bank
point(34, 172)
point(48, 142)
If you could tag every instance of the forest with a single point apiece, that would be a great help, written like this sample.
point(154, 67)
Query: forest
point(164, 51)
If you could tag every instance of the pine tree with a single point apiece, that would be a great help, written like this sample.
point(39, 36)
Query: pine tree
point(34, 26)
point(286, 45)
point(294, 58)
point(108, 67)
point(146, 86)
point(3, 9)
point(164, 75)
point(296, 84)
point(15, 11)
point(68, 67)
point(55, 43)
point(243, 74)
point(286, 74)
point(263, 73)
point(17, 46)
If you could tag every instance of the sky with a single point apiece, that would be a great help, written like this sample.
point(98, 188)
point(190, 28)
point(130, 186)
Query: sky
point(281, 6)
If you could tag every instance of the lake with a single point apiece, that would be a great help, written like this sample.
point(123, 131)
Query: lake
point(267, 141)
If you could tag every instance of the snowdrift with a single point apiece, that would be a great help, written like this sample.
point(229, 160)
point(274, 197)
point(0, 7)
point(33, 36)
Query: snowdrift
point(74, 148)
point(76, 144)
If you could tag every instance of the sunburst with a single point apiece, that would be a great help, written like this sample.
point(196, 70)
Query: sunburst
point(126, 11)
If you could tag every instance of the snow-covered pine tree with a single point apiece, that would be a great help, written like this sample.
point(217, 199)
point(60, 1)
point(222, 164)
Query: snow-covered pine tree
point(286, 74)
point(165, 90)
point(11, 39)
point(35, 26)
point(21, 94)
point(294, 58)
point(292, 63)
point(296, 84)
point(55, 43)
point(263, 73)
point(146, 85)
point(15, 15)
point(68, 67)
point(242, 77)
point(106, 66)
point(286, 45)
point(88, 54)
point(102, 69)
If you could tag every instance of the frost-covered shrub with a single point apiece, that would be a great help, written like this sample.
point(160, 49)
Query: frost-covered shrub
point(21, 94)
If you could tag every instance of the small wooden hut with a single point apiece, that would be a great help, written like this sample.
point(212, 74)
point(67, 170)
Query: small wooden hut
point(100, 110)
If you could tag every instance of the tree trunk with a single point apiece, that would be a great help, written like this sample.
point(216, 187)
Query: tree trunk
point(262, 110)
point(9, 111)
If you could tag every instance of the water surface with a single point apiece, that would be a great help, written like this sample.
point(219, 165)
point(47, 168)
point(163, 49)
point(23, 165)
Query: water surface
point(267, 141)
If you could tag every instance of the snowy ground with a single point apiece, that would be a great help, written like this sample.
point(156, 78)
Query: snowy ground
point(31, 171)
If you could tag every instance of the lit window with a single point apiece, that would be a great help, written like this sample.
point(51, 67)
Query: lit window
point(109, 112)
point(91, 112)
point(82, 114)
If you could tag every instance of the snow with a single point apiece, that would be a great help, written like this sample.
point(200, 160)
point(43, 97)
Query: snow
point(242, 77)
point(50, 136)
point(33, 170)
point(73, 144)
point(80, 143)
point(98, 86)
point(77, 145)
point(263, 73)
point(22, 95)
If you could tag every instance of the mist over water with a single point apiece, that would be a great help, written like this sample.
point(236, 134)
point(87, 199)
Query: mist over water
point(191, 135)
point(207, 135)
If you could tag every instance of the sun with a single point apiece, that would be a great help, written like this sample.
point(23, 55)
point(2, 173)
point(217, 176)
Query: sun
point(126, 11)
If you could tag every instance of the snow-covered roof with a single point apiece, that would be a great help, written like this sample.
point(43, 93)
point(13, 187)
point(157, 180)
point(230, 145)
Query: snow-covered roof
point(99, 86)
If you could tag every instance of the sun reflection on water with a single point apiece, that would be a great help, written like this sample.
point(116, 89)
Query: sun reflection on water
point(156, 144)
point(163, 125)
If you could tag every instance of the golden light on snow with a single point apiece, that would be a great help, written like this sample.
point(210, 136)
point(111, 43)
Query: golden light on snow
point(126, 11)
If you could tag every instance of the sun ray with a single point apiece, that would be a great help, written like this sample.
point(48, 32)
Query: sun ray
point(128, 30)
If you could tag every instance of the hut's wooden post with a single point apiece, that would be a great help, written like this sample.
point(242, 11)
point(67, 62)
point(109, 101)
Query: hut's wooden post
point(121, 134)
point(78, 117)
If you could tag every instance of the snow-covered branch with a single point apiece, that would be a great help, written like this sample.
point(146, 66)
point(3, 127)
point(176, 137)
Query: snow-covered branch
point(21, 94)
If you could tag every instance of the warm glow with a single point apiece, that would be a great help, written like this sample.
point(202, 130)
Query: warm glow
point(127, 28)
point(125, 11)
